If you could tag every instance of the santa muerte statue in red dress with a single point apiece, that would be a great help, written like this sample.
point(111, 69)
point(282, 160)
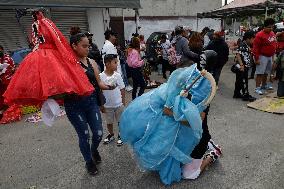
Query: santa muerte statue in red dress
point(50, 70)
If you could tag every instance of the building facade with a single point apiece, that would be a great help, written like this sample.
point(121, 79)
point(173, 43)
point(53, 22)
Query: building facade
point(89, 15)
point(164, 15)
point(154, 15)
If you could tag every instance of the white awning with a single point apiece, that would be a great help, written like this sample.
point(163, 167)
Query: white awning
point(239, 8)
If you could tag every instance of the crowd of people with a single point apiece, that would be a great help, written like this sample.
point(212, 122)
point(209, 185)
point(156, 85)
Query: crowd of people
point(259, 52)
point(91, 82)
point(255, 56)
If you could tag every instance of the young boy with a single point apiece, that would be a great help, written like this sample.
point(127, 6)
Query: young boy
point(245, 60)
point(115, 99)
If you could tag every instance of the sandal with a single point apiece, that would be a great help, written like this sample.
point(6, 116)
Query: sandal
point(213, 155)
point(213, 146)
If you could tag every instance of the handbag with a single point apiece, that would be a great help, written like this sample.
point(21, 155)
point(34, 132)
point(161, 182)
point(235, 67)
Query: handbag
point(236, 66)
point(101, 98)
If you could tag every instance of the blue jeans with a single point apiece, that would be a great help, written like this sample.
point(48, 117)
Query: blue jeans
point(84, 112)
point(124, 74)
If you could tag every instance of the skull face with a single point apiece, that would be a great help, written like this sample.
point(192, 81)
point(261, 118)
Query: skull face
point(203, 61)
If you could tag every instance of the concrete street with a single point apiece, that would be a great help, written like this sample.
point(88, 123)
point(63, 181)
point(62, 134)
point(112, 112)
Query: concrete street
point(39, 157)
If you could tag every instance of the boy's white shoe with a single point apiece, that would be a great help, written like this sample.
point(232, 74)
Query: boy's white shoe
point(268, 86)
point(119, 141)
point(258, 91)
point(128, 88)
point(109, 138)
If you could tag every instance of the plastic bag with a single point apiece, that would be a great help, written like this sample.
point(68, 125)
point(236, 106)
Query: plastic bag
point(50, 110)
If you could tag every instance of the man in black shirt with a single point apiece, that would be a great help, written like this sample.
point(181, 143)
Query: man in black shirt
point(219, 45)
point(94, 52)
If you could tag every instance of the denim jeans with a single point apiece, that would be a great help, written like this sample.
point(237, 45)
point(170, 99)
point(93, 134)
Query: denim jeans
point(84, 112)
point(124, 74)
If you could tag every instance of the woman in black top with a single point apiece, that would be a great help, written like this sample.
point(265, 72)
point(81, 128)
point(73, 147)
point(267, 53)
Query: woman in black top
point(83, 111)
point(219, 45)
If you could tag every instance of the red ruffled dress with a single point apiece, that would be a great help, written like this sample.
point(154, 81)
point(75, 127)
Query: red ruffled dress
point(51, 69)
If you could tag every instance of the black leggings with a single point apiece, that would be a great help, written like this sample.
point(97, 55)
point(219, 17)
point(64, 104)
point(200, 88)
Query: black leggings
point(241, 84)
point(202, 146)
point(280, 90)
point(138, 81)
point(253, 69)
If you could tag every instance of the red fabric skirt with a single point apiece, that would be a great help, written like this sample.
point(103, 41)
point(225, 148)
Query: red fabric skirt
point(44, 73)
point(12, 114)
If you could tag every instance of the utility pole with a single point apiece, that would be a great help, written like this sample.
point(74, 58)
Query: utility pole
point(136, 19)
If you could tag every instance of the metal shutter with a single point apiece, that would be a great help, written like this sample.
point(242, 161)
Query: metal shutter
point(12, 36)
point(64, 20)
point(73, 3)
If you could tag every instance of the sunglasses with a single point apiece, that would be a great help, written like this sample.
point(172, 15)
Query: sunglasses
point(110, 56)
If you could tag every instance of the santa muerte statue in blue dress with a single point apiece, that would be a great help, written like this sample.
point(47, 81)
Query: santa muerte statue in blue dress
point(164, 125)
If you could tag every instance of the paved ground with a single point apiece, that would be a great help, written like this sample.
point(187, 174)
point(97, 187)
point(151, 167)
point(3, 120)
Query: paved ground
point(35, 156)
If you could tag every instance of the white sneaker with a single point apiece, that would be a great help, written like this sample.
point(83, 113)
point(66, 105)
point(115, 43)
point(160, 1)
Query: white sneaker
point(258, 91)
point(109, 138)
point(268, 86)
point(128, 88)
point(119, 141)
